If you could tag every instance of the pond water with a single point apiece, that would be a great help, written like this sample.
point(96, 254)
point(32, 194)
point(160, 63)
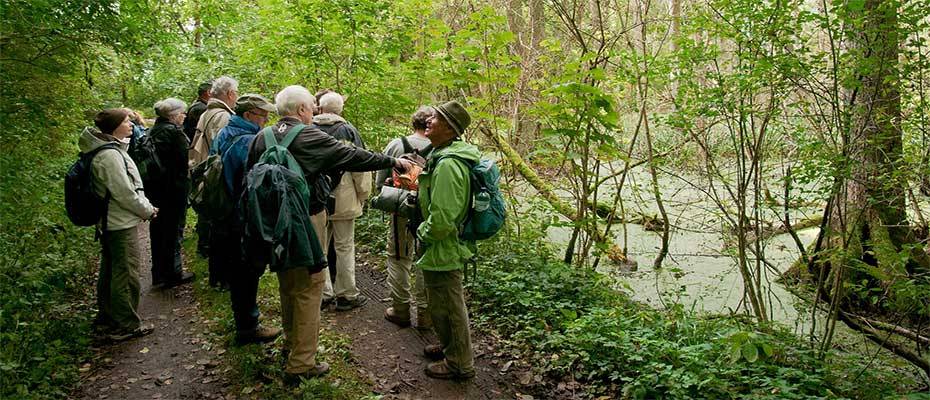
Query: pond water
point(699, 272)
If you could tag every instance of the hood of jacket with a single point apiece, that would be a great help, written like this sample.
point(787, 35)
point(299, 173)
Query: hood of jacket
point(327, 119)
point(236, 127)
point(242, 126)
point(217, 103)
point(92, 138)
point(459, 149)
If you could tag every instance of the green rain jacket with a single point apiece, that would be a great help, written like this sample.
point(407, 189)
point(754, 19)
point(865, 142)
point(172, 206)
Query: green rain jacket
point(444, 192)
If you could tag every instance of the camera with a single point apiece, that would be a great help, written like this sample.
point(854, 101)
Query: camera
point(396, 200)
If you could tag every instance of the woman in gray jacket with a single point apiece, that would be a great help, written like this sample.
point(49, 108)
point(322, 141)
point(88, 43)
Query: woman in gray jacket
point(116, 178)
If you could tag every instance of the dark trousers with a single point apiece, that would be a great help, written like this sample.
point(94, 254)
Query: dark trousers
point(203, 236)
point(225, 252)
point(166, 232)
point(243, 293)
point(242, 278)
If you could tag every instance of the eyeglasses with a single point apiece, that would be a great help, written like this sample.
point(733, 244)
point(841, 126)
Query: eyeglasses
point(263, 116)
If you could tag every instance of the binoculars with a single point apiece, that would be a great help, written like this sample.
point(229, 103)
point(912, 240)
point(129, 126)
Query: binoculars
point(396, 200)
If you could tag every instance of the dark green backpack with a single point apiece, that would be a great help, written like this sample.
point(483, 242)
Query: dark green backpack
point(275, 209)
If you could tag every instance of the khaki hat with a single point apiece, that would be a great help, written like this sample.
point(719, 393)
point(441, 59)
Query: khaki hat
point(251, 101)
point(455, 115)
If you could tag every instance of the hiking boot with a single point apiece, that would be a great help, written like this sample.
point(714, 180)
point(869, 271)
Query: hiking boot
point(261, 334)
point(424, 321)
point(186, 277)
point(434, 352)
point(344, 304)
point(126, 334)
point(326, 303)
point(440, 370)
point(319, 370)
point(396, 319)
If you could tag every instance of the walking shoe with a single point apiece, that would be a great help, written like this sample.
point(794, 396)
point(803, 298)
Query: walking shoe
point(434, 352)
point(319, 370)
point(396, 319)
point(126, 334)
point(186, 277)
point(424, 321)
point(344, 304)
point(326, 303)
point(261, 334)
point(440, 370)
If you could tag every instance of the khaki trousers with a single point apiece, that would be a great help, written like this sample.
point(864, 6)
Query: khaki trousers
point(401, 248)
point(450, 318)
point(342, 233)
point(118, 285)
point(301, 295)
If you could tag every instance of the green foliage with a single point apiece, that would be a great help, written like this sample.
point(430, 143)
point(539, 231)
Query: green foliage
point(570, 323)
point(45, 275)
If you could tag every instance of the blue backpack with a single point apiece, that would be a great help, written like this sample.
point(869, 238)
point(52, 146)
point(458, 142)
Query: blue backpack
point(487, 209)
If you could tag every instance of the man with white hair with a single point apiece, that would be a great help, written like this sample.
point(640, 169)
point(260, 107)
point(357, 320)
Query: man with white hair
point(223, 95)
point(350, 193)
point(317, 153)
point(169, 193)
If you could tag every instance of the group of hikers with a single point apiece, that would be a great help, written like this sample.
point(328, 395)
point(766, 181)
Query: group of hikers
point(321, 161)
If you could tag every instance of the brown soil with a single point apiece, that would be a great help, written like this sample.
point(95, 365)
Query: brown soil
point(174, 362)
point(180, 361)
point(392, 357)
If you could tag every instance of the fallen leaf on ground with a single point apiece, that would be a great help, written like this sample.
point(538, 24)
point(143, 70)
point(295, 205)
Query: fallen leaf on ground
point(526, 378)
point(506, 366)
point(144, 350)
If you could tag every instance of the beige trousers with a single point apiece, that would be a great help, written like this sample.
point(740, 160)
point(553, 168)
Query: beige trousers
point(301, 295)
point(342, 232)
point(399, 268)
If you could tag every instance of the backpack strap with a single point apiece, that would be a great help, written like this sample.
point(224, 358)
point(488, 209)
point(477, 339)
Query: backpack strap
point(98, 233)
point(407, 147)
point(270, 141)
point(292, 134)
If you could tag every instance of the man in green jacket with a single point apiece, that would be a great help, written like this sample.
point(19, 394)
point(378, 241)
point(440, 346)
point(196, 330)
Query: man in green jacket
point(445, 187)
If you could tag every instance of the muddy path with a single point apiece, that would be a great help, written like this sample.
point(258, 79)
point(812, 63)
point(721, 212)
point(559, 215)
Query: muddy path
point(183, 359)
point(392, 357)
point(176, 361)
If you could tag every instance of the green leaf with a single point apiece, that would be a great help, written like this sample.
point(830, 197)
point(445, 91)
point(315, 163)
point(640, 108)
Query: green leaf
point(767, 349)
point(750, 352)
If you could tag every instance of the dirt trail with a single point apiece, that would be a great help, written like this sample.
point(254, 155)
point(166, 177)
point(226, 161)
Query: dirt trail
point(392, 358)
point(178, 361)
point(174, 362)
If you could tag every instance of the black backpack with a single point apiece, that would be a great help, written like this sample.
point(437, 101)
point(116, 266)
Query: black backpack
point(144, 153)
point(84, 206)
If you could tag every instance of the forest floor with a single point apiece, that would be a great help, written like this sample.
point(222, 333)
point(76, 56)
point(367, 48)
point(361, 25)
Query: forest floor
point(184, 357)
point(176, 361)
point(391, 358)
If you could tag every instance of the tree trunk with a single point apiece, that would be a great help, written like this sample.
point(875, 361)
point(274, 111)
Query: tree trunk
point(869, 221)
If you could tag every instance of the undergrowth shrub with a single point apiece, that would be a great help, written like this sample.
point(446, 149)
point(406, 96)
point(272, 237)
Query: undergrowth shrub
point(46, 277)
point(573, 325)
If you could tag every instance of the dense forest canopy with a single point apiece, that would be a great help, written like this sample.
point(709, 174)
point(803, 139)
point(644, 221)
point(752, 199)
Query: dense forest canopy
point(793, 135)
